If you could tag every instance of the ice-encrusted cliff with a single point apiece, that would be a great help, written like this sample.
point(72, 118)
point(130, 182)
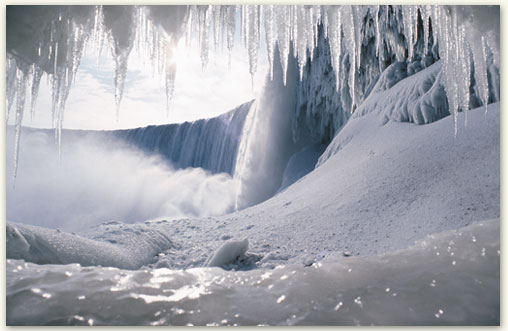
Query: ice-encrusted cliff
point(327, 98)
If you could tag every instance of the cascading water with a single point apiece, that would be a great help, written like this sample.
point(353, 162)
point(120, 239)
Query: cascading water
point(211, 144)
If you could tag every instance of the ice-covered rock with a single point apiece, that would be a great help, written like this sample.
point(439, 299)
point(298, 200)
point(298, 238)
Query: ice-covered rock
point(229, 253)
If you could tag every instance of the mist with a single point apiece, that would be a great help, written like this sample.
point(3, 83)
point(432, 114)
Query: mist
point(99, 179)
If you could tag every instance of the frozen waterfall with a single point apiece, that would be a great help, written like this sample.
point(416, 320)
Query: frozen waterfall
point(211, 144)
point(50, 40)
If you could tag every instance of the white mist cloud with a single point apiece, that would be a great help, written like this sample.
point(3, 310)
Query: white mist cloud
point(98, 180)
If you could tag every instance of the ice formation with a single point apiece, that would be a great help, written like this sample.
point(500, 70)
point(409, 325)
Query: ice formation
point(51, 40)
point(228, 253)
point(211, 144)
point(413, 286)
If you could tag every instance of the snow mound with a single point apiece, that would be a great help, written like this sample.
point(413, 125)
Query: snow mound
point(229, 253)
point(419, 98)
point(129, 249)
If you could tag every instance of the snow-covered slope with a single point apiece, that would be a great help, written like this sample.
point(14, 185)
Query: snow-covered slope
point(447, 279)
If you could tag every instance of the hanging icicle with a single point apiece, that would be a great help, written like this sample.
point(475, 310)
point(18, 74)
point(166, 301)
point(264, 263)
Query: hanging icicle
point(467, 38)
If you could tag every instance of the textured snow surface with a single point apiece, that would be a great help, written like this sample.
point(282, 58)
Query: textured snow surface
point(419, 98)
point(448, 278)
point(407, 195)
point(41, 245)
point(300, 164)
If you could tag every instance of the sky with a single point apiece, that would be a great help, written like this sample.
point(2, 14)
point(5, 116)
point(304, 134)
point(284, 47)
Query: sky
point(198, 93)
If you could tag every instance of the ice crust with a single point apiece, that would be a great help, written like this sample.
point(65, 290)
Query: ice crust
point(448, 278)
point(211, 144)
point(137, 247)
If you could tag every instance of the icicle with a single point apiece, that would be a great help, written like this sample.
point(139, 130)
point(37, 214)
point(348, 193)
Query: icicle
point(358, 15)
point(230, 30)
point(316, 21)
point(268, 17)
point(120, 73)
point(350, 37)
point(334, 16)
point(491, 42)
point(464, 70)
point(243, 30)
point(325, 20)
point(216, 10)
point(252, 23)
point(308, 15)
point(120, 22)
point(56, 57)
point(282, 20)
point(36, 79)
point(11, 85)
point(301, 38)
point(190, 21)
point(408, 18)
point(426, 12)
point(204, 27)
point(21, 83)
point(378, 32)
point(480, 69)
point(99, 32)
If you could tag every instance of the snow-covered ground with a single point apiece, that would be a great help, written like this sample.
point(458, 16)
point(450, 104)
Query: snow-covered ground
point(448, 278)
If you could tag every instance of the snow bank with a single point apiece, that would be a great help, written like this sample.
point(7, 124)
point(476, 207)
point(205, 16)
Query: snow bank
point(128, 248)
point(449, 278)
point(419, 98)
point(300, 164)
